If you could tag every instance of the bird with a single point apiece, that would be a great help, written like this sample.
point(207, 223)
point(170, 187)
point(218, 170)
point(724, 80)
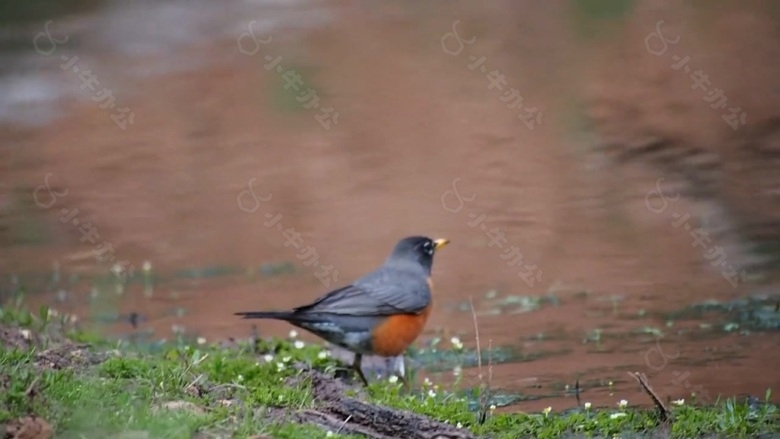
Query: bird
point(380, 313)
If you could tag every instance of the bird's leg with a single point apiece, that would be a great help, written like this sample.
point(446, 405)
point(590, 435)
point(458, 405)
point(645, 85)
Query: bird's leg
point(404, 382)
point(400, 372)
point(356, 366)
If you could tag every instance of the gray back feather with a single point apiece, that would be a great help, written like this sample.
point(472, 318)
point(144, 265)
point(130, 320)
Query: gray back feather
point(399, 286)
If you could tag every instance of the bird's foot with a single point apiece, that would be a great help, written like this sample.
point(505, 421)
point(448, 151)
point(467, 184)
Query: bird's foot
point(405, 384)
point(362, 377)
point(358, 370)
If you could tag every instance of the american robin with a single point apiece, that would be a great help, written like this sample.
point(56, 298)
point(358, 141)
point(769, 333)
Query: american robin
point(380, 313)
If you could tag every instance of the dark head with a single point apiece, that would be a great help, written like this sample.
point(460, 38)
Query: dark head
point(419, 249)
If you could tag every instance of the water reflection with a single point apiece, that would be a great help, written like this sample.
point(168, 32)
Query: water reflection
point(619, 282)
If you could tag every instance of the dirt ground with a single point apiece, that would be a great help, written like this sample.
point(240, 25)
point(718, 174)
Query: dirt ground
point(414, 122)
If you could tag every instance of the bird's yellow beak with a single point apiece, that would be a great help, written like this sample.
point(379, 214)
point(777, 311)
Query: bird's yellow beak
point(439, 243)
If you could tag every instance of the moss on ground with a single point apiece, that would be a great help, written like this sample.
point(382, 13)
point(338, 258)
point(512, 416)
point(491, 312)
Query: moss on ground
point(56, 379)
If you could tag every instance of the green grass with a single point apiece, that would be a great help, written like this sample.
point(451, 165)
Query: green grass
point(186, 390)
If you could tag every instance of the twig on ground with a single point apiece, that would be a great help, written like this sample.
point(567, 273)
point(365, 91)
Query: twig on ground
point(489, 387)
point(228, 386)
point(484, 389)
point(200, 360)
point(345, 423)
point(30, 392)
point(490, 362)
point(476, 332)
point(641, 378)
point(194, 383)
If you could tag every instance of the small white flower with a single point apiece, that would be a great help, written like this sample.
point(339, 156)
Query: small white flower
point(616, 415)
point(286, 359)
point(201, 340)
point(279, 367)
point(73, 318)
point(268, 358)
point(623, 403)
point(240, 378)
point(52, 312)
point(393, 379)
point(432, 394)
point(427, 382)
point(147, 267)
point(492, 407)
point(329, 434)
point(459, 425)
point(323, 355)
point(299, 344)
point(587, 406)
point(457, 371)
point(26, 333)
point(547, 411)
point(678, 402)
point(293, 333)
point(456, 343)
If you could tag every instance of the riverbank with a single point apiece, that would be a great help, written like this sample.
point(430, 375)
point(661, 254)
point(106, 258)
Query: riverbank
point(57, 380)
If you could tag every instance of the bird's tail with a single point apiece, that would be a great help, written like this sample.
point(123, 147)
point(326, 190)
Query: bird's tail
point(277, 315)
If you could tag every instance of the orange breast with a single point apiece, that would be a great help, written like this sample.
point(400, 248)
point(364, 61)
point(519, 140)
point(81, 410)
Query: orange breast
point(396, 333)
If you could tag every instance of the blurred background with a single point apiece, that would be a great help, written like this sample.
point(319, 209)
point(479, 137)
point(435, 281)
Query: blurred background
point(606, 171)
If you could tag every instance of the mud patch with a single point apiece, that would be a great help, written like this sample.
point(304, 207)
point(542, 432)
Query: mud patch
point(15, 338)
point(63, 354)
point(69, 356)
point(58, 356)
point(28, 427)
point(216, 394)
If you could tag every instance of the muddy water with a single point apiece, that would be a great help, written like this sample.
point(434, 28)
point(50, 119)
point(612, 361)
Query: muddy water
point(219, 148)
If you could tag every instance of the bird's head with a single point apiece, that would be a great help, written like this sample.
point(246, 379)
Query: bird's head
point(419, 249)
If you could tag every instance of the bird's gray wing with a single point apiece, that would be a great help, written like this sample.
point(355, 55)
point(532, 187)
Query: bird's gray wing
point(383, 292)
